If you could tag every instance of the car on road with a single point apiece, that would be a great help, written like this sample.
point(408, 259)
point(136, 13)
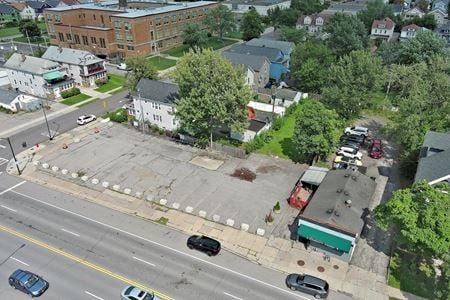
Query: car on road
point(86, 119)
point(357, 130)
point(204, 244)
point(28, 282)
point(349, 152)
point(308, 284)
point(376, 149)
point(135, 293)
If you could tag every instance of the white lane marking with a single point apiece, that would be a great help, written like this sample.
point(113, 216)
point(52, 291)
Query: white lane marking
point(95, 296)
point(146, 262)
point(163, 246)
point(68, 231)
point(3, 161)
point(6, 207)
point(232, 296)
point(13, 187)
point(19, 261)
point(3, 147)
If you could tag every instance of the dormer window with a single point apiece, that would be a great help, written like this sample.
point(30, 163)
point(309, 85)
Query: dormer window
point(319, 21)
point(307, 20)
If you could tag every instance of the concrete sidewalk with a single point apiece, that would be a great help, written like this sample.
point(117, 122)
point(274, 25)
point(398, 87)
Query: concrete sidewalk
point(277, 253)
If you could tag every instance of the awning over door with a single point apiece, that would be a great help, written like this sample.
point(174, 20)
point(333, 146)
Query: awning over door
point(324, 238)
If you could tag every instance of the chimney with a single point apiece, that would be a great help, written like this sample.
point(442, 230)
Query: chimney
point(23, 57)
point(348, 203)
point(60, 49)
point(123, 4)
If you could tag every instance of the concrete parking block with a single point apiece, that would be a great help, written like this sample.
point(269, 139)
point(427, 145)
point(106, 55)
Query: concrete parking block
point(161, 201)
point(64, 171)
point(105, 184)
point(176, 205)
point(84, 178)
point(74, 175)
point(127, 191)
point(95, 181)
point(202, 213)
point(244, 227)
point(45, 165)
point(189, 209)
point(230, 222)
point(116, 187)
point(138, 195)
point(55, 168)
point(216, 218)
point(260, 231)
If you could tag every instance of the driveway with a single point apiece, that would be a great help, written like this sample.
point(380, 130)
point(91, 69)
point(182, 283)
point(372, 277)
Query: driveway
point(185, 176)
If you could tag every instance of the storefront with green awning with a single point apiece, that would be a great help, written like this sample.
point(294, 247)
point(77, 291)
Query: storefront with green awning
point(53, 75)
point(325, 236)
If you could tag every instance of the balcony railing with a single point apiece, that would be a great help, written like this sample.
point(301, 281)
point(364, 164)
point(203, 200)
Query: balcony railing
point(92, 70)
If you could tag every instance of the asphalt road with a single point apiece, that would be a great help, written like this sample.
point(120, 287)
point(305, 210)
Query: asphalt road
point(79, 246)
point(58, 124)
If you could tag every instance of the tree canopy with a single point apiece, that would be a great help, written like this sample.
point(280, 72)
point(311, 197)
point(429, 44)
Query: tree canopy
point(220, 20)
point(310, 64)
point(421, 216)
point(347, 33)
point(421, 48)
point(194, 36)
point(212, 94)
point(307, 7)
point(30, 28)
point(251, 25)
point(292, 34)
point(140, 68)
point(315, 131)
point(376, 10)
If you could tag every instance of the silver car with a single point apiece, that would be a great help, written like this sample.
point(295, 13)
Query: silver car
point(86, 119)
point(135, 293)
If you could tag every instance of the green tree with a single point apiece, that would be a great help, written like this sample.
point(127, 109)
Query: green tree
point(292, 35)
point(274, 17)
point(310, 63)
point(347, 33)
point(194, 36)
point(423, 5)
point(389, 53)
point(205, 102)
point(425, 45)
point(38, 52)
point(140, 68)
point(251, 25)
point(315, 132)
point(376, 10)
point(288, 17)
point(420, 215)
point(307, 7)
point(351, 82)
point(220, 20)
point(29, 27)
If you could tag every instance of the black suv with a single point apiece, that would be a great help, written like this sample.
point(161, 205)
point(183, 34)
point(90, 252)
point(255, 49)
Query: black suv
point(204, 244)
point(308, 284)
point(28, 283)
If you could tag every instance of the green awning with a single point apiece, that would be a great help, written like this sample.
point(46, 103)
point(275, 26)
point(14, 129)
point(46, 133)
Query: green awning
point(324, 238)
point(53, 75)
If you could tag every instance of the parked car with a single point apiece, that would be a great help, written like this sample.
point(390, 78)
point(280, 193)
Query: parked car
point(357, 130)
point(135, 293)
point(349, 152)
point(308, 284)
point(28, 282)
point(204, 244)
point(342, 162)
point(349, 144)
point(123, 67)
point(376, 149)
point(86, 119)
point(356, 139)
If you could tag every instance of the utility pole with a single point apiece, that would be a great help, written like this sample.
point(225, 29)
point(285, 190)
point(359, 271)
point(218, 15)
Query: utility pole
point(14, 156)
point(46, 122)
point(142, 111)
point(29, 43)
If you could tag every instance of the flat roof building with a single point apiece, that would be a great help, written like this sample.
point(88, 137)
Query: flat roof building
point(123, 29)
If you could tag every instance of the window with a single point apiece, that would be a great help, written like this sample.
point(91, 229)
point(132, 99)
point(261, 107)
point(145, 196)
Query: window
point(168, 42)
point(68, 36)
point(129, 38)
point(85, 40)
point(166, 31)
point(174, 30)
point(61, 36)
point(102, 43)
point(160, 44)
point(117, 25)
point(77, 39)
point(159, 34)
point(118, 36)
point(93, 40)
point(194, 14)
point(102, 19)
point(152, 36)
point(187, 15)
point(120, 46)
point(130, 48)
point(158, 21)
point(95, 18)
point(127, 26)
point(57, 18)
point(174, 18)
point(166, 20)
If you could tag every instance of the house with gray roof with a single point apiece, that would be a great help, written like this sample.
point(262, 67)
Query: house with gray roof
point(154, 102)
point(256, 68)
point(335, 216)
point(434, 158)
point(444, 32)
point(278, 62)
point(351, 8)
point(15, 101)
point(285, 47)
point(37, 76)
point(84, 67)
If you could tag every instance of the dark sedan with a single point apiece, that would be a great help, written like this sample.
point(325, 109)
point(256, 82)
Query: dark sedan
point(308, 284)
point(205, 244)
point(28, 283)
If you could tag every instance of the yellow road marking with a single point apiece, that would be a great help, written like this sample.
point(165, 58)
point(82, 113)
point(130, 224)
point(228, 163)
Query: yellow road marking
point(83, 262)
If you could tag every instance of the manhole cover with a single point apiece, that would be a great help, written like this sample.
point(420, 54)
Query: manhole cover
point(300, 262)
point(336, 267)
point(320, 269)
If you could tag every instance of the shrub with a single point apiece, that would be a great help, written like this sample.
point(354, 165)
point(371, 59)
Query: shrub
point(119, 116)
point(70, 92)
point(258, 141)
point(100, 82)
point(277, 206)
point(291, 109)
point(277, 123)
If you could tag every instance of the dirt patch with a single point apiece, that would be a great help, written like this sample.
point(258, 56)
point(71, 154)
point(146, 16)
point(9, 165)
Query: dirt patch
point(244, 174)
point(266, 169)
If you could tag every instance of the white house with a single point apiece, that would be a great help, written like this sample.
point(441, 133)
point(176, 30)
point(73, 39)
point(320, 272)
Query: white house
point(440, 16)
point(258, 123)
point(14, 101)
point(4, 80)
point(413, 13)
point(382, 29)
point(313, 24)
point(28, 13)
point(84, 67)
point(410, 31)
point(37, 76)
point(154, 102)
point(242, 6)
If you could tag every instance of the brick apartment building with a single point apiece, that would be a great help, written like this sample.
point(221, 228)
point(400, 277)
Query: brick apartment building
point(123, 29)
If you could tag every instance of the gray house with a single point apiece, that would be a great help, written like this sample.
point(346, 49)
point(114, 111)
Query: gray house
point(434, 159)
point(154, 102)
point(256, 67)
point(285, 47)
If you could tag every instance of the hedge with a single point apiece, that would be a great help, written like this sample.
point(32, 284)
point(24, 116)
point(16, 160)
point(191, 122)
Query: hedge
point(70, 92)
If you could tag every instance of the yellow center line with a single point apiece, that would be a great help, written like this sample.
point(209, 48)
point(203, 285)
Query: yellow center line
point(83, 262)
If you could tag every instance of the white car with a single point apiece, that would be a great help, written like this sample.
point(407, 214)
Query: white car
point(356, 130)
point(134, 293)
point(86, 119)
point(349, 152)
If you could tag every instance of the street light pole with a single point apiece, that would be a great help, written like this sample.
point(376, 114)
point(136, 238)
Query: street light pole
point(46, 122)
point(14, 156)
point(142, 111)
